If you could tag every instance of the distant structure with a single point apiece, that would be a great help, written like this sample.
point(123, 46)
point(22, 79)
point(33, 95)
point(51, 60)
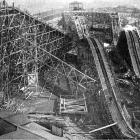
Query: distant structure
point(3, 3)
point(74, 6)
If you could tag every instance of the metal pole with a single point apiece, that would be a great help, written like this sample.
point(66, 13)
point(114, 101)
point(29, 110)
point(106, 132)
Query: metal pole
point(104, 127)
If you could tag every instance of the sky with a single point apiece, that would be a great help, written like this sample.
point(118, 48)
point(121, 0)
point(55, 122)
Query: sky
point(35, 6)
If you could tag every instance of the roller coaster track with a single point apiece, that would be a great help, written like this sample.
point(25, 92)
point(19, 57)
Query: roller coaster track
point(110, 89)
point(116, 112)
point(134, 50)
point(114, 109)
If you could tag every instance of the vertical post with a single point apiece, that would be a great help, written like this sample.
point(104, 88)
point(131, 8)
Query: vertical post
point(112, 25)
point(13, 4)
point(4, 4)
point(92, 16)
point(60, 105)
point(36, 66)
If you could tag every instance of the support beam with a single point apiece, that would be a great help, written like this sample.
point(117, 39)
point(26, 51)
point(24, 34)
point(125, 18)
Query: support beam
point(104, 127)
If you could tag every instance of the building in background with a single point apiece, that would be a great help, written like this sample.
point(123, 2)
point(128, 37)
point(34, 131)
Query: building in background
point(73, 6)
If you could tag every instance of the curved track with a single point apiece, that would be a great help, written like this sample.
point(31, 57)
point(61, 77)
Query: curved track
point(110, 89)
point(134, 50)
point(115, 109)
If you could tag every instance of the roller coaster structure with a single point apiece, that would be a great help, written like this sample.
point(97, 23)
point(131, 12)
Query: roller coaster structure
point(30, 56)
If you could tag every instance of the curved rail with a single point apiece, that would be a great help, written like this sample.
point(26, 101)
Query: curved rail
point(134, 50)
point(110, 89)
point(117, 111)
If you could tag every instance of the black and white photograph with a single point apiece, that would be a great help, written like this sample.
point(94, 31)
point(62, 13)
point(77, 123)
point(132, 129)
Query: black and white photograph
point(69, 69)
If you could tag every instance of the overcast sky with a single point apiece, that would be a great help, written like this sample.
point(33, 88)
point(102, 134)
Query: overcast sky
point(43, 5)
